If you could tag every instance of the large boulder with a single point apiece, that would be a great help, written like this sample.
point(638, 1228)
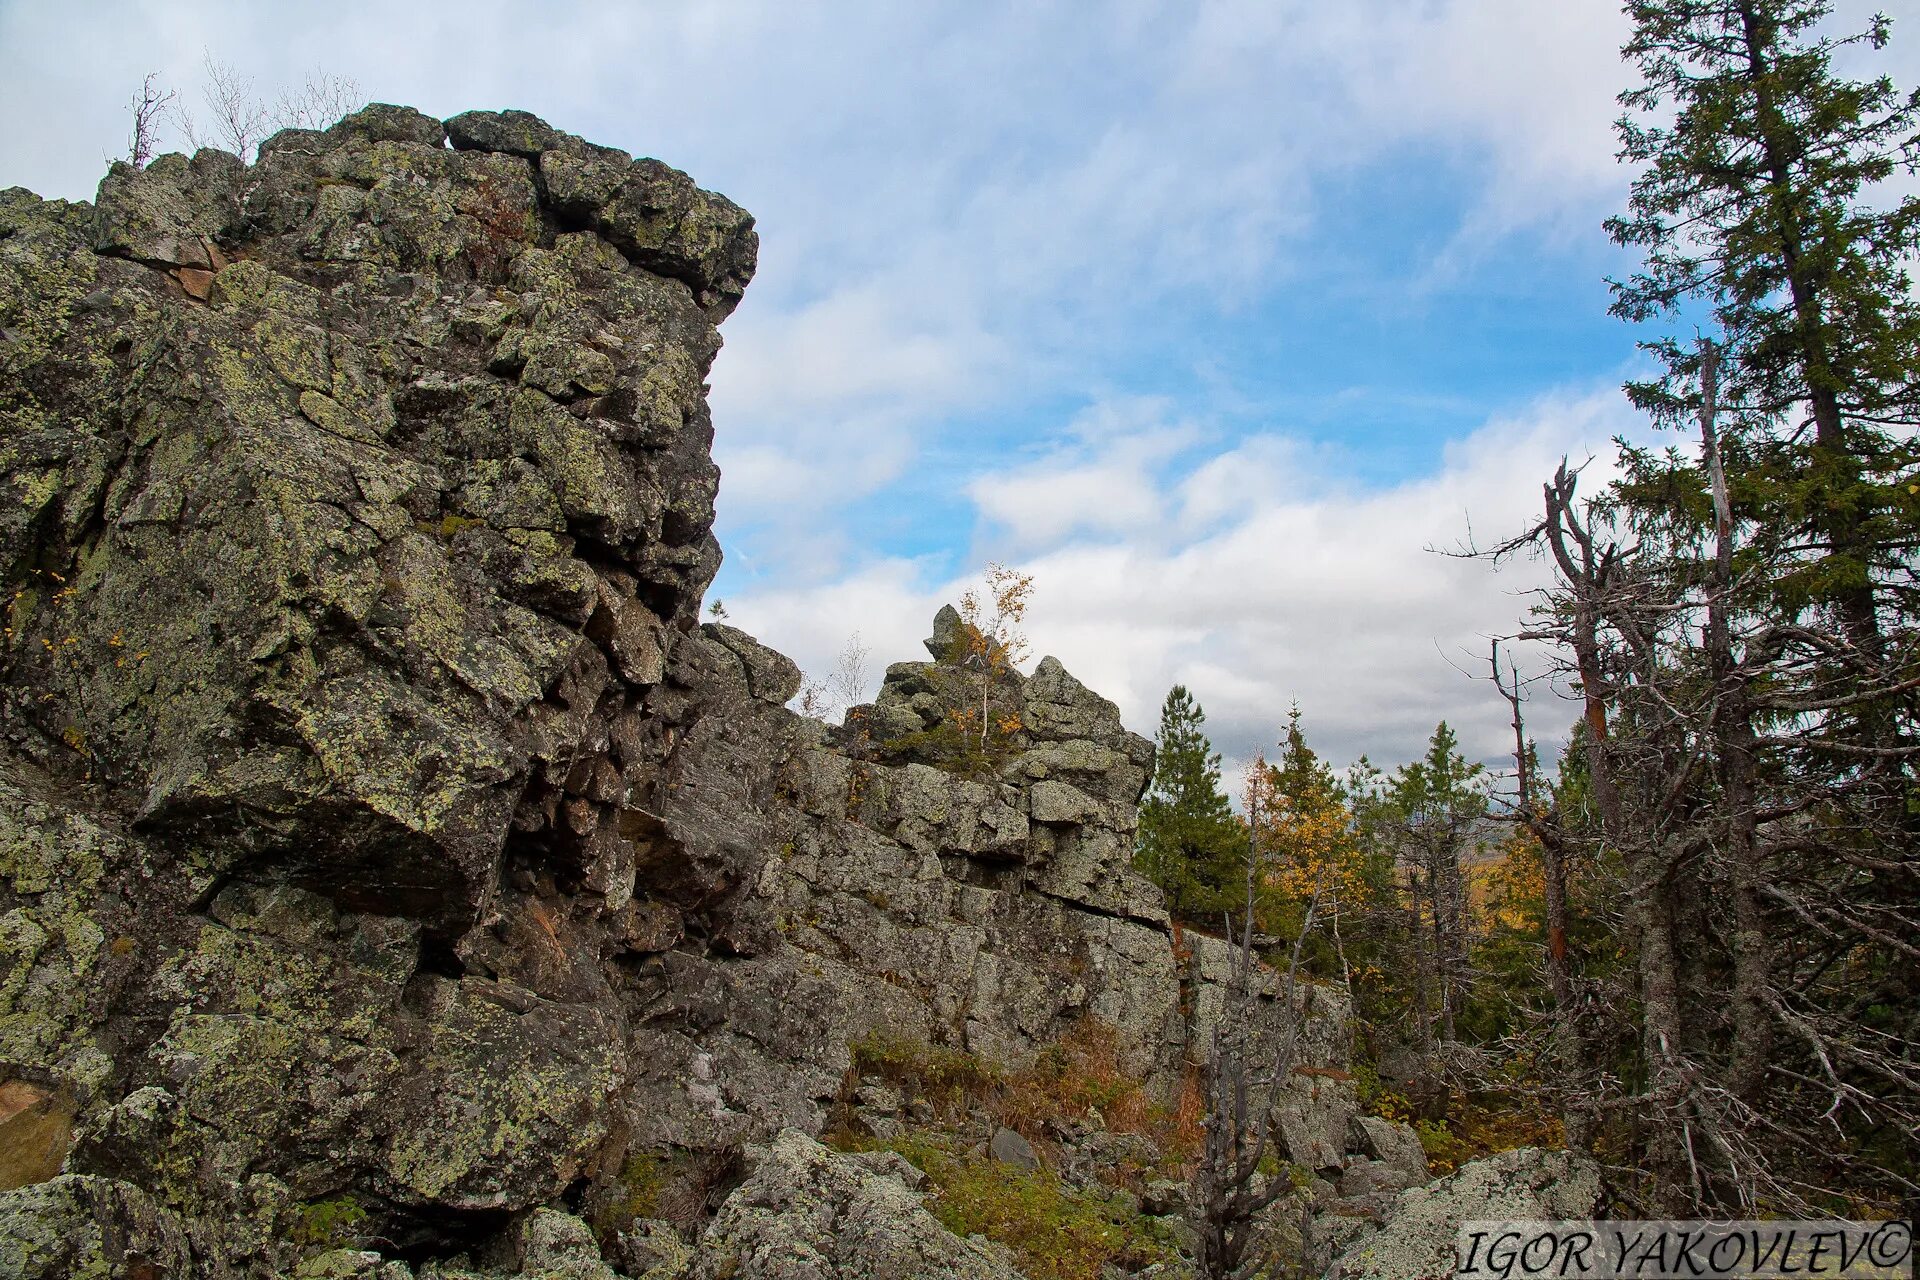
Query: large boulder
point(807, 1213)
point(1417, 1241)
point(320, 560)
point(1392, 1143)
point(360, 750)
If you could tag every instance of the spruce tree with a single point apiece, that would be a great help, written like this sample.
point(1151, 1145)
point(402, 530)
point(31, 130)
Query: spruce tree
point(1189, 842)
point(1741, 626)
point(1442, 803)
point(1301, 777)
point(1753, 198)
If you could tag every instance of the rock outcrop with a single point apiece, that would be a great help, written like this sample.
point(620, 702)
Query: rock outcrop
point(398, 881)
point(396, 877)
point(357, 504)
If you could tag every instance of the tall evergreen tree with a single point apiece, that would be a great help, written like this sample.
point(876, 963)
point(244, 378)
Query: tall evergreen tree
point(1741, 624)
point(1442, 805)
point(1300, 776)
point(1798, 527)
point(1189, 842)
point(1752, 199)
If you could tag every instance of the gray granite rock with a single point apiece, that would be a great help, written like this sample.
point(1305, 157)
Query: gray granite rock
point(1392, 1142)
point(805, 1213)
point(1418, 1237)
point(1009, 1147)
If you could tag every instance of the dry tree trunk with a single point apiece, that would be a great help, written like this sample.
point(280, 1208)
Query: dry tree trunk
point(1734, 737)
point(1229, 1194)
point(1604, 595)
point(1569, 1050)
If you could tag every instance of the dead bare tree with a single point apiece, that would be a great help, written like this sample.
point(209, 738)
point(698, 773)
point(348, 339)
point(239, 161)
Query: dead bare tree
point(1545, 824)
point(1251, 1060)
point(1769, 893)
point(318, 100)
point(1620, 616)
point(842, 687)
point(148, 106)
point(239, 118)
point(235, 117)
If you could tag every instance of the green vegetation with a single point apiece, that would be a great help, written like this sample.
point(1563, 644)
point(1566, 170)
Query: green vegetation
point(1054, 1231)
point(1754, 198)
point(945, 1077)
point(1427, 912)
point(448, 525)
point(328, 1224)
point(1072, 1078)
point(643, 1177)
point(953, 746)
point(1189, 843)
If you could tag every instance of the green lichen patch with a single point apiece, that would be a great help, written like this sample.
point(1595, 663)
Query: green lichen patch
point(505, 1107)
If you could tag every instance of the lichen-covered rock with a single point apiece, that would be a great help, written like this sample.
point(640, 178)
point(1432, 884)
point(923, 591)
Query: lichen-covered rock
point(517, 133)
point(1391, 1142)
point(806, 1213)
point(354, 507)
point(995, 898)
point(1418, 1240)
point(172, 213)
point(1313, 1114)
point(71, 1228)
point(558, 1246)
point(66, 946)
point(330, 571)
point(351, 1264)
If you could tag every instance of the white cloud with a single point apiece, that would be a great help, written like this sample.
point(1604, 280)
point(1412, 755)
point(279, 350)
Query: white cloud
point(1103, 476)
point(849, 348)
point(1258, 471)
point(1295, 590)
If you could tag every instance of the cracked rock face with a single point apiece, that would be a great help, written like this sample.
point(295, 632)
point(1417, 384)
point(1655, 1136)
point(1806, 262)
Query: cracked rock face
point(392, 868)
point(360, 744)
point(346, 488)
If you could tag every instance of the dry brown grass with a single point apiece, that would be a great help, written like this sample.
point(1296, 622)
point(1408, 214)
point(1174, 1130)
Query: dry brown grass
point(1080, 1075)
point(1072, 1080)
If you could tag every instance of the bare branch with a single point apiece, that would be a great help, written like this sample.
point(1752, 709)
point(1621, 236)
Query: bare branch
point(148, 106)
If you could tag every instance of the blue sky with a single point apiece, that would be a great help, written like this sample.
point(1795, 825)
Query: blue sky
point(1214, 315)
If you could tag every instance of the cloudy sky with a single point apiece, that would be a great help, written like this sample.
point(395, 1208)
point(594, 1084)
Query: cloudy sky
point(1213, 316)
